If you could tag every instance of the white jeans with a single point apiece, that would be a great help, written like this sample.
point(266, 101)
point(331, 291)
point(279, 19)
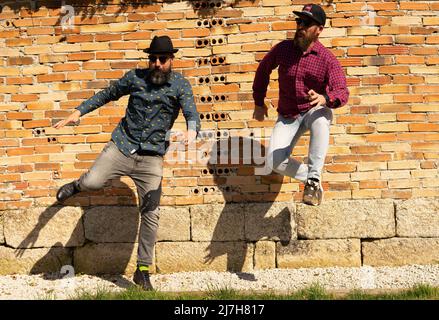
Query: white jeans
point(285, 135)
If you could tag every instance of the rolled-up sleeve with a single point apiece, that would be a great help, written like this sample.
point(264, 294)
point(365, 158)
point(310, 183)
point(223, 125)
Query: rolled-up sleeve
point(114, 92)
point(187, 103)
point(336, 90)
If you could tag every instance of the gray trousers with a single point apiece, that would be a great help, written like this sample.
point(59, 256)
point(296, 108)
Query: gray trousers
point(146, 172)
point(285, 135)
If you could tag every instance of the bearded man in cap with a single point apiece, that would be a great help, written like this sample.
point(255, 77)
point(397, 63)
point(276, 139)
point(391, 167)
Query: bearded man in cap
point(139, 141)
point(311, 83)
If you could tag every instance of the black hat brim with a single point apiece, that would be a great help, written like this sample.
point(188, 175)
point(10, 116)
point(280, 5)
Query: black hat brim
point(306, 15)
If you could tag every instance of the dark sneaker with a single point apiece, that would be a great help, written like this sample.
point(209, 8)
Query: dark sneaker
point(313, 193)
point(67, 191)
point(141, 278)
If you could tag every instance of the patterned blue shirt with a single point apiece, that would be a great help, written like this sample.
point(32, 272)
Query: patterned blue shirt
point(151, 110)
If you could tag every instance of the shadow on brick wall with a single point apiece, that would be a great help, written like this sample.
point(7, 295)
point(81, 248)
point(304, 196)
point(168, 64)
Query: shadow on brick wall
point(94, 245)
point(89, 8)
point(243, 221)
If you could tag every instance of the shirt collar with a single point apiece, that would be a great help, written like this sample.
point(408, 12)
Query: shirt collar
point(316, 48)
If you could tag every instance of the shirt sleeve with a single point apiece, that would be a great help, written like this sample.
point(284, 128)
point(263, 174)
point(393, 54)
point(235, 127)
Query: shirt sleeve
point(336, 90)
point(114, 92)
point(262, 76)
point(190, 113)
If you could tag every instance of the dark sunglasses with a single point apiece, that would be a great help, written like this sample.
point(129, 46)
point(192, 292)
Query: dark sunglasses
point(162, 59)
point(305, 22)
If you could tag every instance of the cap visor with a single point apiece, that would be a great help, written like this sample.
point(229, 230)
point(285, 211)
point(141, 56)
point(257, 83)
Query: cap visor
point(306, 15)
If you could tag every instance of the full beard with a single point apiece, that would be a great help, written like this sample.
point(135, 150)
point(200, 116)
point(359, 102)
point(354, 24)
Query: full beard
point(303, 42)
point(159, 77)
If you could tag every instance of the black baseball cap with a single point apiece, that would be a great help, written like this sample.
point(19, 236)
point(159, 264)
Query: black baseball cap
point(314, 12)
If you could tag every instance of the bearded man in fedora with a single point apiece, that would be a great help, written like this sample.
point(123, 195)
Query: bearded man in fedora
point(139, 141)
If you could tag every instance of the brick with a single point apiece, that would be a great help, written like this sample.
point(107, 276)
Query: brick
point(430, 21)
point(366, 194)
point(393, 50)
point(362, 51)
point(256, 47)
point(424, 127)
point(380, 40)
point(377, 61)
point(432, 39)
point(257, 27)
point(347, 42)
point(101, 28)
point(23, 80)
point(394, 70)
point(410, 39)
point(18, 42)
point(408, 20)
point(19, 115)
point(338, 22)
point(389, 127)
point(5, 71)
point(83, 56)
point(95, 65)
point(409, 60)
point(94, 46)
point(12, 61)
point(373, 184)
point(377, 99)
point(424, 70)
point(362, 70)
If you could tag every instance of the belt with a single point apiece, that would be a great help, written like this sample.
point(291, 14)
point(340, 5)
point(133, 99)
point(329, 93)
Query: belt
point(147, 153)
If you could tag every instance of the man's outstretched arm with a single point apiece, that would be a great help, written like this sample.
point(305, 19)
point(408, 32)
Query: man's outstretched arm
point(112, 93)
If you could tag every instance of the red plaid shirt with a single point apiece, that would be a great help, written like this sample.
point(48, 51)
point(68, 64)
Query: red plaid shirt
point(316, 69)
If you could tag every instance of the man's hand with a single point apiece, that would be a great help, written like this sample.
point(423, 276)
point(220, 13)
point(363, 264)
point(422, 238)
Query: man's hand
point(74, 117)
point(189, 137)
point(316, 100)
point(260, 112)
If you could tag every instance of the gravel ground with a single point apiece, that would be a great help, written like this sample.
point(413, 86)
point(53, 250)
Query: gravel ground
point(15, 287)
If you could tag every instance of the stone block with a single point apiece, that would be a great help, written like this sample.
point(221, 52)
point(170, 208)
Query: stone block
point(346, 219)
point(220, 222)
point(174, 224)
point(33, 261)
point(112, 224)
point(2, 234)
point(418, 217)
point(265, 255)
point(106, 258)
point(44, 227)
point(270, 221)
point(204, 256)
point(400, 251)
point(319, 253)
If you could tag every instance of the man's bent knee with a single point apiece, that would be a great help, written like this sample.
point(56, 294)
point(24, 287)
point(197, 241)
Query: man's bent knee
point(90, 182)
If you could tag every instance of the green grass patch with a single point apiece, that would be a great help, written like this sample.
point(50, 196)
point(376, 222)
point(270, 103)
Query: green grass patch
point(418, 292)
point(313, 292)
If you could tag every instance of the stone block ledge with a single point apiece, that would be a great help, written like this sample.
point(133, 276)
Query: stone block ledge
point(220, 237)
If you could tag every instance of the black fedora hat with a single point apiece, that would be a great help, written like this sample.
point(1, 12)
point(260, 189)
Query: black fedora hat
point(162, 44)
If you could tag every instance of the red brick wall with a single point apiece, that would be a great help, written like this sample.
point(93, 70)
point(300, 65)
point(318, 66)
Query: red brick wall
point(384, 142)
